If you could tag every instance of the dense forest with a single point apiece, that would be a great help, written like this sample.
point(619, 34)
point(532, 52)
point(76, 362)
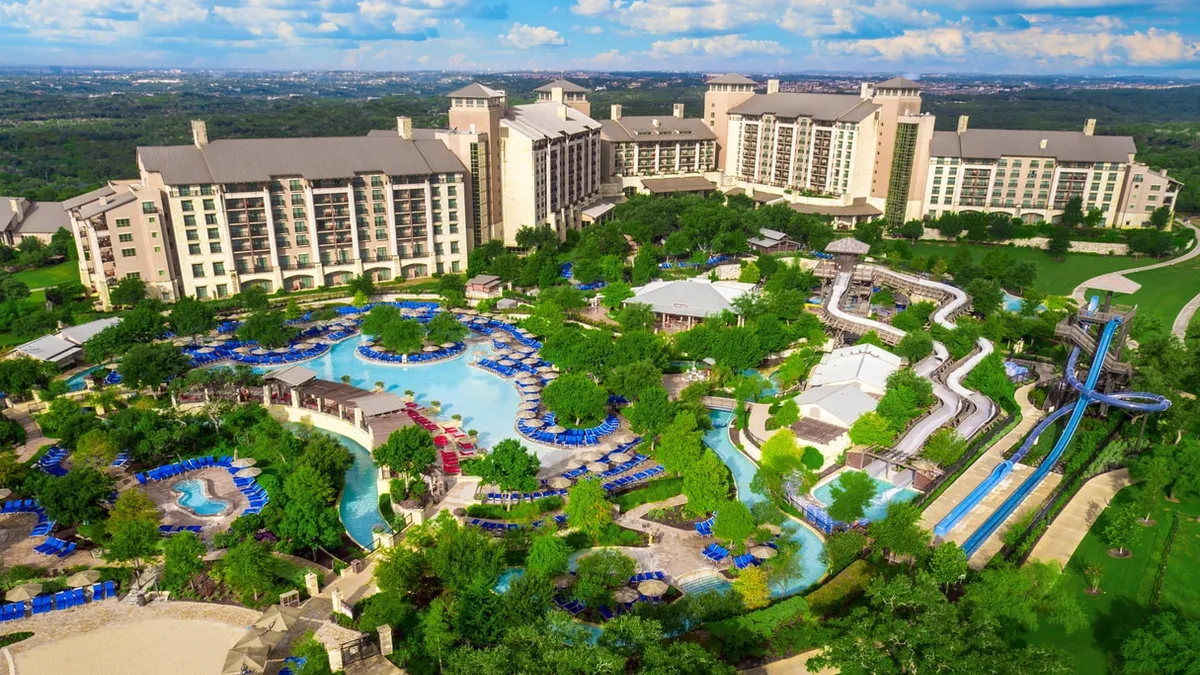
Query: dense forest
point(56, 146)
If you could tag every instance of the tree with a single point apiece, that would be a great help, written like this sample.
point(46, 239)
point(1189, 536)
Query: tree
point(132, 505)
point(652, 412)
point(510, 466)
point(630, 379)
point(463, 557)
point(293, 311)
point(635, 316)
point(128, 292)
point(588, 509)
point(309, 520)
point(401, 570)
point(842, 548)
point(680, 444)
point(615, 295)
point(913, 230)
point(1073, 212)
point(95, 448)
point(1155, 474)
point(734, 524)
point(852, 493)
point(1160, 217)
point(915, 345)
point(437, 636)
point(548, 556)
point(788, 413)
point(899, 531)
point(782, 467)
point(1017, 597)
point(76, 497)
point(1185, 458)
point(445, 327)
point(191, 317)
point(749, 274)
point(751, 586)
point(147, 366)
point(269, 329)
point(705, 484)
point(407, 451)
point(19, 375)
point(985, 296)
point(872, 429)
point(183, 559)
point(599, 573)
point(248, 568)
point(944, 447)
point(253, 298)
point(1168, 644)
point(1121, 529)
point(132, 541)
point(577, 399)
point(948, 564)
point(1093, 573)
point(884, 297)
point(1059, 243)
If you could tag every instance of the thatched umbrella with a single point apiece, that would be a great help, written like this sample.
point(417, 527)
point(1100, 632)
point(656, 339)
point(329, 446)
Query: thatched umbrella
point(528, 405)
point(772, 528)
point(558, 482)
point(5, 493)
point(84, 578)
point(244, 462)
point(625, 594)
point(619, 457)
point(249, 472)
point(506, 362)
point(278, 618)
point(556, 429)
point(597, 467)
point(23, 592)
point(545, 369)
point(564, 581)
point(447, 345)
point(530, 360)
point(653, 588)
point(763, 552)
point(501, 338)
point(527, 415)
point(574, 464)
point(245, 660)
point(205, 350)
point(534, 423)
point(589, 456)
point(549, 376)
point(532, 396)
point(526, 349)
point(526, 377)
point(429, 349)
point(469, 311)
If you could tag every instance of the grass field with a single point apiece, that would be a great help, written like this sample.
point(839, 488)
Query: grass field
point(1127, 585)
point(1054, 277)
point(1164, 291)
point(50, 276)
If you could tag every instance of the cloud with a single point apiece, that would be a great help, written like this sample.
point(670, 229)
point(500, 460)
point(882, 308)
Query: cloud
point(608, 59)
point(456, 59)
point(524, 36)
point(724, 46)
point(815, 18)
point(593, 7)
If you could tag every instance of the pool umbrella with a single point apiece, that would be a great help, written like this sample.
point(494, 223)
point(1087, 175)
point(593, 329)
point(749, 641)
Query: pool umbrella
point(506, 362)
point(564, 581)
point(763, 552)
point(242, 350)
point(244, 462)
point(447, 345)
point(526, 349)
point(772, 528)
point(653, 588)
point(205, 350)
point(556, 429)
point(623, 437)
point(501, 350)
point(84, 578)
point(23, 592)
point(558, 482)
point(529, 388)
point(527, 415)
point(549, 376)
point(501, 338)
point(530, 360)
point(619, 457)
point(469, 312)
point(279, 350)
point(258, 352)
point(597, 467)
point(245, 660)
point(429, 348)
point(5, 493)
point(532, 396)
point(528, 405)
point(625, 594)
point(249, 472)
point(574, 464)
point(259, 637)
point(534, 423)
point(589, 456)
point(527, 378)
point(545, 369)
point(278, 618)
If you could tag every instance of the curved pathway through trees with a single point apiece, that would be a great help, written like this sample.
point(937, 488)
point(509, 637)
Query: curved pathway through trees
point(1080, 290)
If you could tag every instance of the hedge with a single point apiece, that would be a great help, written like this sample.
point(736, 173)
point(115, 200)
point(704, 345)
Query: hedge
point(654, 491)
point(752, 634)
point(841, 590)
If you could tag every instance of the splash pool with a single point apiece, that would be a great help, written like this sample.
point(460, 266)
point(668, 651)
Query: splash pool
point(507, 577)
point(885, 493)
point(194, 497)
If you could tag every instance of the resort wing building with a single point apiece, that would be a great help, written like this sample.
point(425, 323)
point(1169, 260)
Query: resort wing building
point(20, 218)
point(645, 147)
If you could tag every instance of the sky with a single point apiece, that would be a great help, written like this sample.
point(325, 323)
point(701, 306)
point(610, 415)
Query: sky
point(1103, 37)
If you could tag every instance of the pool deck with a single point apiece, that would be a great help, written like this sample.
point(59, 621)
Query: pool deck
point(16, 546)
point(674, 551)
point(220, 486)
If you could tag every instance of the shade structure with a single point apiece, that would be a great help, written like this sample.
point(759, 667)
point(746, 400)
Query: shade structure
point(243, 462)
point(619, 457)
point(625, 594)
point(469, 312)
point(772, 528)
point(545, 369)
point(532, 396)
point(526, 349)
point(205, 350)
point(242, 350)
point(526, 377)
point(558, 482)
point(248, 472)
point(589, 456)
point(535, 423)
point(528, 405)
point(245, 660)
point(23, 592)
point(258, 352)
point(597, 467)
point(429, 349)
point(5, 493)
point(501, 338)
point(564, 581)
point(260, 637)
point(506, 362)
point(530, 360)
point(279, 350)
point(84, 578)
point(278, 618)
point(763, 552)
point(556, 429)
point(527, 414)
point(653, 588)
point(549, 376)
point(574, 464)
point(501, 349)
point(447, 345)
point(530, 387)
point(622, 437)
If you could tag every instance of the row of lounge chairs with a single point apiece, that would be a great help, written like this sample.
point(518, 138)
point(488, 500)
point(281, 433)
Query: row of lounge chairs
point(573, 606)
point(168, 530)
point(290, 356)
point(683, 264)
point(503, 371)
point(78, 597)
point(745, 560)
point(499, 528)
point(44, 524)
point(715, 552)
point(370, 353)
point(638, 477)
point(254, 492)
point(171, 470)
point(647, 576)
point(54, 546)
point(622, 468)
point(122, 460)
point(51, 462)
point(501, 498)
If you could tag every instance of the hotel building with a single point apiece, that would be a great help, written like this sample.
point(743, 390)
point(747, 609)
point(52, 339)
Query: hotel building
point(638, 148)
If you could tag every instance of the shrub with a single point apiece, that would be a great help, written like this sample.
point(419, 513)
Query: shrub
point(841, 590)
point(654, 491)
point(746, 635)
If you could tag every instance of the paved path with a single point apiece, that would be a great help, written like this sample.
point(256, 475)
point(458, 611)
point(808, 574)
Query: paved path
point(1061, 539)
point(676, 552)
point(795, 665)
point(1179, 328)
point(33, 433)
point(1081, 290)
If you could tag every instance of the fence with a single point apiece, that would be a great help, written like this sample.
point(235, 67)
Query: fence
point(816, 515)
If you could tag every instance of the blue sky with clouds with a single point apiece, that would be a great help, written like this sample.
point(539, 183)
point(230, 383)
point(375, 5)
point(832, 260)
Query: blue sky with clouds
point(911, 36)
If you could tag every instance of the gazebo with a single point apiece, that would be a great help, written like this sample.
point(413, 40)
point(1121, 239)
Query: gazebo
point(846, 252)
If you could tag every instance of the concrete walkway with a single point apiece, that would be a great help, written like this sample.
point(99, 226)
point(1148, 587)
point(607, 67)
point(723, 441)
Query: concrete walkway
point(1179, 328)
point(795, 665)
point(674, 551)
point(33, 433)
point(1081, 290)
point(1061, 539)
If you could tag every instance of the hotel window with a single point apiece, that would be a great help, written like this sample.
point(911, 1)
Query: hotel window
point(133, 275)
point(186, 205)
point(222, 290)
point(214, 233)
point(454, 266)
point(214, 247)
point(297, 200)
point(201, 293)
point(294, 185)
point(380, 221)
point(162, 273)
point(122, 222)
point(377, 195)
point(198, 271)
point(381, 233)
point(437, 249)
point(210, 205)
point(376, 181)
point(454, 247)
point(381, 253)
point(297, 214)
point(194, 249)
point(193, 235)
point(189, 221)
point(125, 237)
point(149, 207)
point(218, 269)
point(128, 252)
point(301, 240)
point(441, 268)
point(158, 249)
point(210, 219)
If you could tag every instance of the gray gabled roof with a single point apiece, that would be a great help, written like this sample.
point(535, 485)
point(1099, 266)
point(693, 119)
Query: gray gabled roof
point(898, 83)
point(846, 401)
point(848, 245)
point(670, 128)
point(567, 86)
point(379, 404)
point(475, 90)
point(293, 376)
point(251, 160)
point(768, 237)
point(698, 298)
point(31, 217)
point(1066, 146)
point(75, 202)
point(834, 107)
point(86, 331)
point(730, 78)
point(49, 348)
point(102, 205)
point(541, 121)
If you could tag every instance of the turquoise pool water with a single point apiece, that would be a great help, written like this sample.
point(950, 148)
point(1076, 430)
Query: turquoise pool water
point(507, 577)
point(743, 469)
point(76, 383)
point(194, 497)
point(1013, 303)
point(359, 506)
point(885, 493)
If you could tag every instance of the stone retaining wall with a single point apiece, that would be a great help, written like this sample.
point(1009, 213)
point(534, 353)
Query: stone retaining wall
point(1100, 247)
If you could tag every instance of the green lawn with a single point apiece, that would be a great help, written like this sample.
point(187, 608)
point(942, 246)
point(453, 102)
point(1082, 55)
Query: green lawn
point(1054, 277)
point(1127, 585)
point(50, 276)
point(1164, 291)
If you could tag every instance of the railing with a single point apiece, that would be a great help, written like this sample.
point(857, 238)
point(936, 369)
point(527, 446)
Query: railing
point(973, 452)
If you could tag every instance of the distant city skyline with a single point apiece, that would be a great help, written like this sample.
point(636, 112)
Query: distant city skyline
point(1032, 37)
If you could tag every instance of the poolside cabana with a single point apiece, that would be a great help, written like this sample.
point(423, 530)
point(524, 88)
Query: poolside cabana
point(281, 386)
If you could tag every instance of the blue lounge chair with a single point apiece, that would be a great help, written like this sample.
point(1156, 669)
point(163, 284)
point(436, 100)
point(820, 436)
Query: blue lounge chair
point(110, 589)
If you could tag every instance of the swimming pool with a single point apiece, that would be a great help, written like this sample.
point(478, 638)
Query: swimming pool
point(359, 506)
point(1013, 303)
point(76, 381)
point(507, 577)
point(194, 497)
point(885, 493)
point(743, 470)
